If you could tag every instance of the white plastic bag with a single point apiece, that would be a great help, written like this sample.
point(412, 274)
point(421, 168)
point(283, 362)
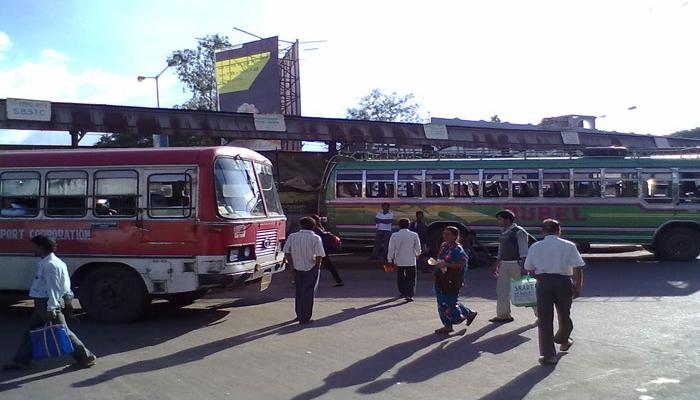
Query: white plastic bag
point(523, 292)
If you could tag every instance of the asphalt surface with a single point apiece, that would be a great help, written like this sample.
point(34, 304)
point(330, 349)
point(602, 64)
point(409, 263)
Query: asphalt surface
point(636, 337)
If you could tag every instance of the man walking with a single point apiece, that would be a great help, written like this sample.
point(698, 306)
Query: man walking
point(404, 247)
point(384, 221)
point(51, 284)
point(304, 253)
point(512, 250)
point(421, 228)
point(555, 262)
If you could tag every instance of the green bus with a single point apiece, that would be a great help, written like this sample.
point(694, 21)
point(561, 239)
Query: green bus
point(652, 201)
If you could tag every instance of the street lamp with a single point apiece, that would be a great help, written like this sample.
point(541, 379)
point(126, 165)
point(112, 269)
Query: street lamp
point(161, 140)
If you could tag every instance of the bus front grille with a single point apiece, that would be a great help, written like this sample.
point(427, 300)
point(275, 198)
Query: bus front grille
point(266, 242)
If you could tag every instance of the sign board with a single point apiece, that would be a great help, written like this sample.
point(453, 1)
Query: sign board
point(569, 137)
point(435, 131)
point(661, 142)
point(28, 110)
point(269, 122)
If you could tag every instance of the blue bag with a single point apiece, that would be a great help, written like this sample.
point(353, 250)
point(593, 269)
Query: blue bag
point(50, 341)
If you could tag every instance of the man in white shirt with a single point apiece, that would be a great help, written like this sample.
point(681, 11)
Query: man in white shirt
point(384, 221)
point(304, 253)
point(404, 247)
point(51, 284)
point(555, 262)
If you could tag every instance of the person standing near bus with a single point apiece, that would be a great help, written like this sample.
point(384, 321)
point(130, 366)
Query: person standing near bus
point(512, 251)
point(321, 231)
point(404, 247)
point(384, 221)
point(557, 265)
point(304, 253)
point(50, 285)
point(421, 228)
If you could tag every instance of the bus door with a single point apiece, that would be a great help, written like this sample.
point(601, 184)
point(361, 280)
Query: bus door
point(167, 214)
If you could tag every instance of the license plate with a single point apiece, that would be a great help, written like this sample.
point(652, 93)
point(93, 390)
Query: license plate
point(265, 281)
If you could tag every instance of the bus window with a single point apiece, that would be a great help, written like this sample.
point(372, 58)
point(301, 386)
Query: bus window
point(410, 184)
point(495, 183)
point(66, 194)
point(467, 183)
point(20, 194)
point(555, 183)
point(116, 193)
point(587, 183)
point(620, 183)
point(269, 191)
point(348, 184)
point(169, 195)
point(437, 183)
point(380, 183)
point(237, 193)
point(526, 183)
point(689, 186)
point(657, 186)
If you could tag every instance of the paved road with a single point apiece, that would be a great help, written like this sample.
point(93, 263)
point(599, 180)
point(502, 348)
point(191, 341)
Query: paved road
point(636, 338)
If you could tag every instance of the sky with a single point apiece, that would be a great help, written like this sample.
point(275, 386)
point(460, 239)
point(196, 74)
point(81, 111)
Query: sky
point(521, 60)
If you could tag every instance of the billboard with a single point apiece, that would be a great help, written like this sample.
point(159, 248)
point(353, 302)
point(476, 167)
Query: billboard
point(248, 77)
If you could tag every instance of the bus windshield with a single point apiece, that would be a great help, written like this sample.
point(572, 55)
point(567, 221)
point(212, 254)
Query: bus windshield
point(237, 192)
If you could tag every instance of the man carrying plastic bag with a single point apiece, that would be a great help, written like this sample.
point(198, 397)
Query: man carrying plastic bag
point(48, 289)
point(557, 266)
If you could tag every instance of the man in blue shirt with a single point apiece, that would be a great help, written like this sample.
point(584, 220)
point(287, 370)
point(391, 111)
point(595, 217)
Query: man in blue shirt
point(51, 284)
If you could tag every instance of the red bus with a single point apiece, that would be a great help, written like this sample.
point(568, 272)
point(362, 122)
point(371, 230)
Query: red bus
point(139, 224)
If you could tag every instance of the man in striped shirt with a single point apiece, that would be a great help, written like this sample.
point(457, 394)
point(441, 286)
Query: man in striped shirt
point(304, 253)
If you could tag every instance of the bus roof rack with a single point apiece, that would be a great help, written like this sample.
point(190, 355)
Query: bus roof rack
point(391, 152)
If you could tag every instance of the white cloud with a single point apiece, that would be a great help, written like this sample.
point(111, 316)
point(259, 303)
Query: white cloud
point(5, 44)
point(50, 77)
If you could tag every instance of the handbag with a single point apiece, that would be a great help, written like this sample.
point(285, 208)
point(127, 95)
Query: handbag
point(523, 292)
point(50, 341)
point(389, 267)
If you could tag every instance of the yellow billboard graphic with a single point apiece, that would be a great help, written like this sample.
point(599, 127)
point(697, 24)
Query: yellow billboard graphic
point(238, 74)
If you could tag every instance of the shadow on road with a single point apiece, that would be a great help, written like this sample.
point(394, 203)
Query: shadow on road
point(447, 356)
point(521, 385)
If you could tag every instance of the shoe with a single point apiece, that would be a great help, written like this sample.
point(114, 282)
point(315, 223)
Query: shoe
point(471, 316)
point(87, 363)
point(566, 346)
point(13, 366)
point(306, 322)
point(500, 320)
point(548, 360)
point(408, 299)
point(444, 330)
point(339, 284)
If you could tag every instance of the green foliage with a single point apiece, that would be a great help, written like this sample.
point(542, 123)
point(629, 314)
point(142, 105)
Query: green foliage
point(196, 70)
point(689, 133)
point(379, 106)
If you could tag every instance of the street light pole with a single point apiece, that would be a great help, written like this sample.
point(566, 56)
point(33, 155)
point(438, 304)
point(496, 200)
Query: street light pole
point(161, 140)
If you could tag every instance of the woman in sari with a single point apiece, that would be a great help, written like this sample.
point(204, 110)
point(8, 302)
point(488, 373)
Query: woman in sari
point(449, 279)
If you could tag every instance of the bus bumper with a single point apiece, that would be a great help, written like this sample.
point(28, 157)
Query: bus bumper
point(272, 267)
point(207, 281)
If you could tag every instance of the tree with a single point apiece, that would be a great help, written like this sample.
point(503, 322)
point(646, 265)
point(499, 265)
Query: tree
point(196, 70)
point(379, 106)
point(689, 133)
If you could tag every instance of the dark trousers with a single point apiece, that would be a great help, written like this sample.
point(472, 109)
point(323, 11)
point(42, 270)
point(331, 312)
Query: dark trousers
point(381, 243)
point(327, 264)
point(24, 353)
point(553, 290)
point(306, 283)
point(406, 279)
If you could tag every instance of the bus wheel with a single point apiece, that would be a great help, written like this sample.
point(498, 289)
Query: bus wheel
point(180, 300)
point(113, 294)
point(678, 244)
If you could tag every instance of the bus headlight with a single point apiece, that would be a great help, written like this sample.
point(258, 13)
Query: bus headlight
point(240, 253)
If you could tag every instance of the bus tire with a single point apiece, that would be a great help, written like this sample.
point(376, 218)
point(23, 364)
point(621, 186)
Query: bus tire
point(180, 300)
point(113, 294)
point(678, 244)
